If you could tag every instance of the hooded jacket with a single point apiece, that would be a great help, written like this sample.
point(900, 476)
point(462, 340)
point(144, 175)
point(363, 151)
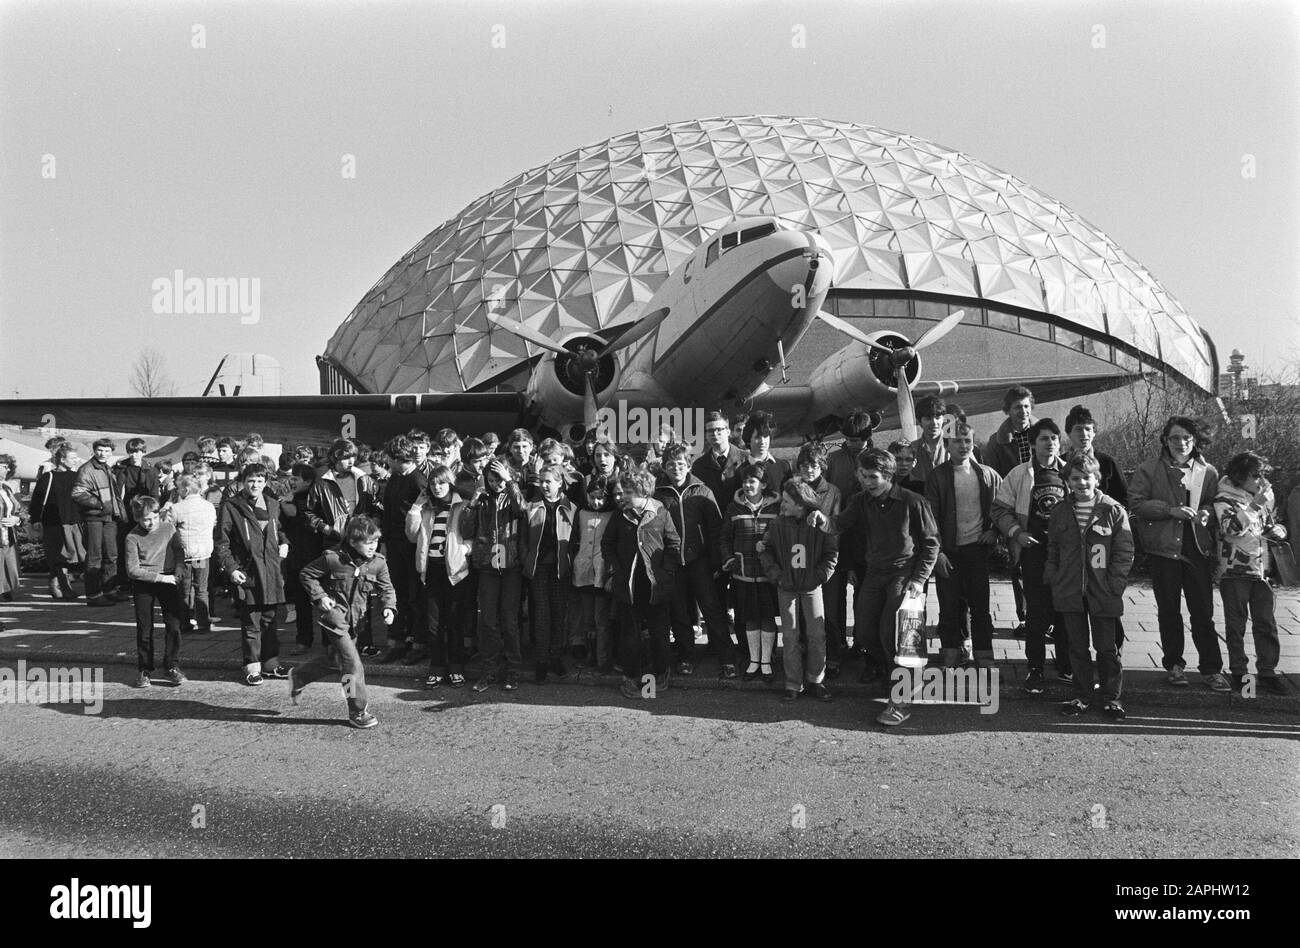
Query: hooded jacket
point(348, 579)
point(743, 526)
point(243, 545)
point(644, 540)
point(1244, 519)
point(1088, 570)
point(1155, 489)
point(797, 557)
point(695, 517)
point(419, 530)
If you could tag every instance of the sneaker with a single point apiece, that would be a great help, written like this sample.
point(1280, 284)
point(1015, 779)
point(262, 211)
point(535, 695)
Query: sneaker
point(1114, 710)
point(1034, 682)
point(685, 668)
point(142, 681)
point(1177, 677)
point(893, 715)
point(176, 676)
point(1216, 682)
point(253, 679)
point(370, 651)
point(456, 680)
point(1074, 708)
point(434, 681)
point(790, 695)
point(628, 689)
point(393, 654)
point(362, 719)
point(1274, 684)
point(512, 682)
point(280, 672)
point(728, 672)
point(819, 691)
point(1065, 676)
point(484, 683)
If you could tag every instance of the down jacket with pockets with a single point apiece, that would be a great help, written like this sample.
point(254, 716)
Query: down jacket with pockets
point(1094, 563)
point(695, 517)
point(642, 539)
point(419, 530)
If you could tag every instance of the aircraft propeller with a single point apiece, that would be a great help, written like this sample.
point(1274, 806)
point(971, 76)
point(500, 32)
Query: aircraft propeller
point(585, 359)
point(899, 359)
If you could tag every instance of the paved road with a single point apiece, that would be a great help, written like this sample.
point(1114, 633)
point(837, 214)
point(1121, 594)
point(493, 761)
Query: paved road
point(578, 771)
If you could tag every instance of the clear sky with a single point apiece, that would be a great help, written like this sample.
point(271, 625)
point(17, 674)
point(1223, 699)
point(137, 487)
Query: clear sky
point(226, 160)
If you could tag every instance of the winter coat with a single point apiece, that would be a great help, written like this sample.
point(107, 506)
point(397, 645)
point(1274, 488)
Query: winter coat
point(244, 546)
point(419, 530)
point(743, 526)
point(328, 510)
point(137, 481)
point(52, 501)
point(349, 579)
point(196, 522)
point(818, 556)
point(941, 493)
point(1088, 571)
point(1245, 523)
point(589, 566)
point(98, 492)
point(696, 518)
point(719, 474)
point(644, 540)
point(495, 522)
point(535, 524)
point(1001, 453)
point(1156, 488)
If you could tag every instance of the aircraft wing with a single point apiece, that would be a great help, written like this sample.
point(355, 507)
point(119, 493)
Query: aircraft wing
point(283, 419)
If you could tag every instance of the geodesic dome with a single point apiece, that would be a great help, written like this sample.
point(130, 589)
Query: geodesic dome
point(582, 242)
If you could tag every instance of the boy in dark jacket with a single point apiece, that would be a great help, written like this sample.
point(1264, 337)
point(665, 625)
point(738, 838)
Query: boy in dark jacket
point(340, 584)
point(695, 515)
point(800, 558)
point(642, 551)
point(493, 524)
point(138, 479)
point(249, 548)
point(152, 552)
point(1089, 555)
point(549, 548)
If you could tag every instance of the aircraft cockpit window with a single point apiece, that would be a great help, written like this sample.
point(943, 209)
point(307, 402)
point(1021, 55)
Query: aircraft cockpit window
point(711, 254)
point(754, 233)
point(730, 240)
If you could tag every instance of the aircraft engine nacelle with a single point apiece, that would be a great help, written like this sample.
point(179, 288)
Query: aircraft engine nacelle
point(859, 377)
point(558, 383)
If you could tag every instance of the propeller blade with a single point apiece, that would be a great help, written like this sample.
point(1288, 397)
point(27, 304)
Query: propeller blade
point(906, 410)
point(851, 331)
point(527, 334)
point(939, 330)
point(643, 328)
point(590, 411)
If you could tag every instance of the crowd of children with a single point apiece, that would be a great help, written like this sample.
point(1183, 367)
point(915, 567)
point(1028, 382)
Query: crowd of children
point(612, 563)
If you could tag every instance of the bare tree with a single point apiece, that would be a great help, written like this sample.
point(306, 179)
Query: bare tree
point(149, 377)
